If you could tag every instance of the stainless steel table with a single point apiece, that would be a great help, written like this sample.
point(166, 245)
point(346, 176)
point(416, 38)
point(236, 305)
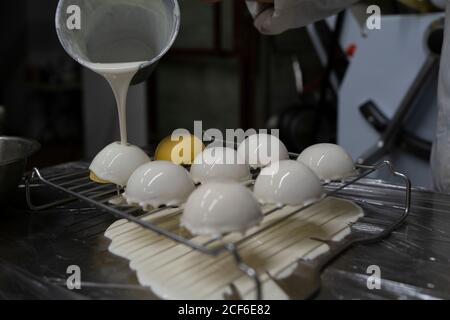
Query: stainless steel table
point(36, 249)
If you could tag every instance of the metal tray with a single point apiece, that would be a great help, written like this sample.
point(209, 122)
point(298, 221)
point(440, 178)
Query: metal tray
point(75, 184)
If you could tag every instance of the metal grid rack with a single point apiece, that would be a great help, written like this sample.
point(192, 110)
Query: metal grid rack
point(78, 186)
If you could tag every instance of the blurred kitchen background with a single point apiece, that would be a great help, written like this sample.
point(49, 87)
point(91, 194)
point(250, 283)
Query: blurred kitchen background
point(220, 71)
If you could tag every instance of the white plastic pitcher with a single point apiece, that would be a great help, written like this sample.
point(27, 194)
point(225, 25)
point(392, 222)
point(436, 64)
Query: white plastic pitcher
point(118, 31)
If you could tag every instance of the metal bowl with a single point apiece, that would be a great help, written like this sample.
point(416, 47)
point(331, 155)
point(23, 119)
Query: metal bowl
point(14, 153)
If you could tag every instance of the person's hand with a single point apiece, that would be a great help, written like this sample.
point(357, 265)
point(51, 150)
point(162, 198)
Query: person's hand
point(261, 1)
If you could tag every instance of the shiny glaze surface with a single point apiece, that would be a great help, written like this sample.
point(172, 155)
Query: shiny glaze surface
point(159, 183)
point(328, 161)
point(261, 149)
point(217, 164)
point(219, 207)
point(116, 162)
point(288, 182)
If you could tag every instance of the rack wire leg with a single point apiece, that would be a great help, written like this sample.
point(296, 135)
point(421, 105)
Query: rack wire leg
point(246, 269)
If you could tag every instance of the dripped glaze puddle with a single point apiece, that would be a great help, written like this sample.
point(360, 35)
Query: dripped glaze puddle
point(174, 271)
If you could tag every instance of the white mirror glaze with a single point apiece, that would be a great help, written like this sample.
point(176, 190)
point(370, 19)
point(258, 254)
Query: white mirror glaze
point(329, 161)
point(218, 164)
point(259, 150)
point(117, 161)
point(288, 182)
point(159, 183)
point(219, 207)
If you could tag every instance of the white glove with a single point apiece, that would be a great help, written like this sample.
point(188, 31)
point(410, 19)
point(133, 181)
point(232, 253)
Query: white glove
point(289, 14)
point(439, 3)
point(440, 155)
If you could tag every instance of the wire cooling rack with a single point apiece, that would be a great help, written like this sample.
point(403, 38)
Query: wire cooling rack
point(76, 185)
